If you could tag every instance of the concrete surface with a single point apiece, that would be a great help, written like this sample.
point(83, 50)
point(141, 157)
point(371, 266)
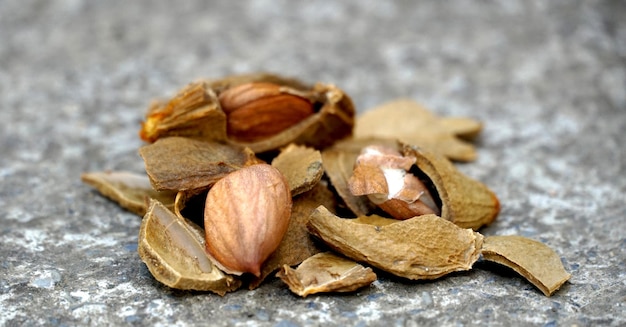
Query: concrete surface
point(547, 78)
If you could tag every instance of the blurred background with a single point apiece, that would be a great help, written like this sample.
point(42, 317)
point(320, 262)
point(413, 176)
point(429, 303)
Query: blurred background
point(547, 79)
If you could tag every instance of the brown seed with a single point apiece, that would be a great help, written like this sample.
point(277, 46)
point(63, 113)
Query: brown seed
point(255, 111)
point(246, 216)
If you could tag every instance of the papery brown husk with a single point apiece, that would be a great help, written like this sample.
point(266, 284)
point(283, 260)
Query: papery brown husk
point(464, 201)
point(535, 261)
point(173, 250)
point(297, 244)
point(301, 166)
point(424, 247)
point(184, 164)
point(410, 122)
point(324, 273)
point(195, 112)
point(130, 191)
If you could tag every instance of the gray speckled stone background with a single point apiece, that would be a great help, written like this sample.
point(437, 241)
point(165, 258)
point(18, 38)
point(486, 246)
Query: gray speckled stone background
point(547, 78)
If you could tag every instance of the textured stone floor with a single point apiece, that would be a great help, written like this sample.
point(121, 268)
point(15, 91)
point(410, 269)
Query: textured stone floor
point(547, 78)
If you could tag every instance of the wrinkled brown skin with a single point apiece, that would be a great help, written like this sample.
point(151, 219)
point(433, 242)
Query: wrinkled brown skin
point(246, 215)
point(184, 164)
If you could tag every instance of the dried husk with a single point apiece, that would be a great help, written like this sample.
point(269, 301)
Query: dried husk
point(464, 201)
point(324, 273)
point(130, 191)
point(411, 123)
point(184, 164)
point(339, 163)
point(297, 244)
point(424, 247)
point(195, 112)
point(366, 180)
point(301, 166)
point(173, 250)
point(535, 261)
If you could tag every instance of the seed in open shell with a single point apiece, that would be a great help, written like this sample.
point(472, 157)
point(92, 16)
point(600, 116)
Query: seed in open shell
point(382, 174)
point(196, 112)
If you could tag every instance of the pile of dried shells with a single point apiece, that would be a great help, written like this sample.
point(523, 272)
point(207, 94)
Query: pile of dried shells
point(249, 175)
